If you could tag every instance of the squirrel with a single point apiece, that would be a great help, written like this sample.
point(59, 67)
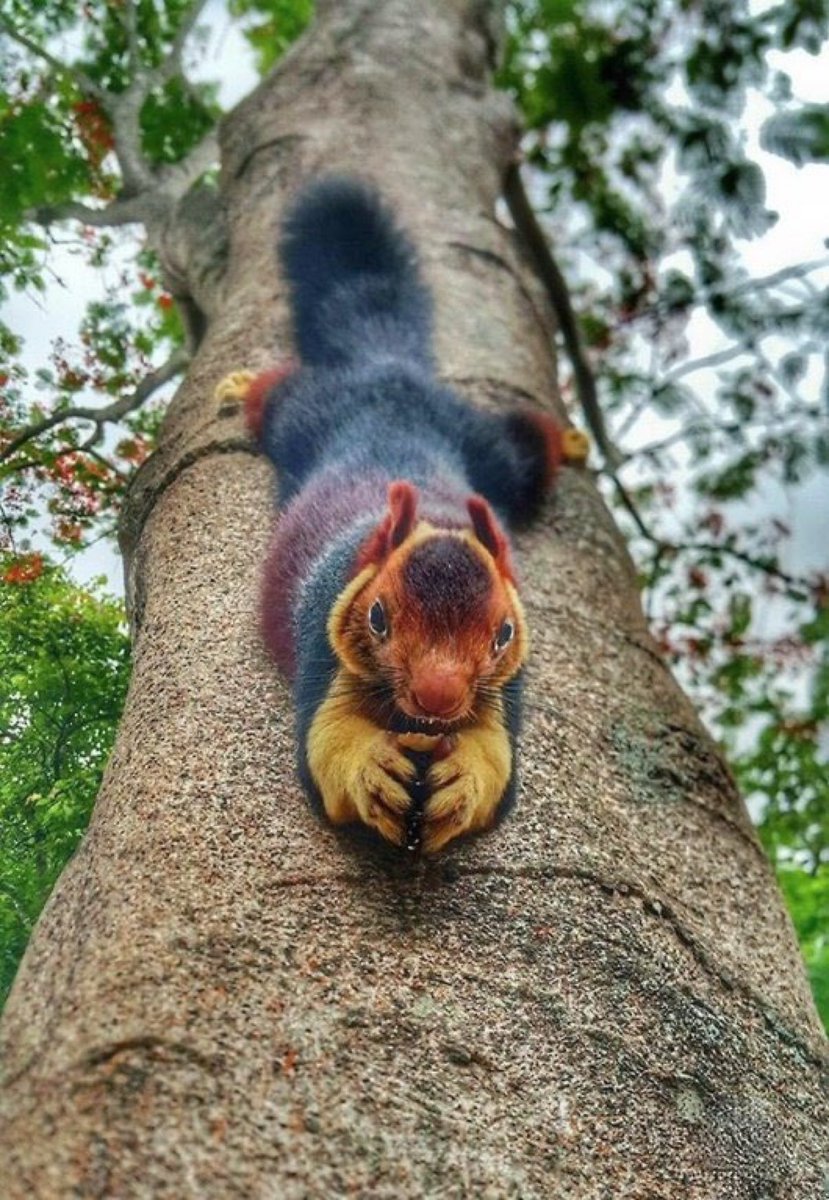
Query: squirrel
point(389, 595)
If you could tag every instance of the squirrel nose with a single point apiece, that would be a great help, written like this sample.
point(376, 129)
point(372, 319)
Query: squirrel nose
point(439, 692)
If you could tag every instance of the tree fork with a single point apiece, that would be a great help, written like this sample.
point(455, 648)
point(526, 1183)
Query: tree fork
point(224, 998)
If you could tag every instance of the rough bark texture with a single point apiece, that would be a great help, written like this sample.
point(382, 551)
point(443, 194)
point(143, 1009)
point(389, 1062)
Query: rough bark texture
point(224, 998)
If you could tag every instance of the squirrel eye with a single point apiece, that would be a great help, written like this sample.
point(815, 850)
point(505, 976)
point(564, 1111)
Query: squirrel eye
point(377, 622)
point(504, 636)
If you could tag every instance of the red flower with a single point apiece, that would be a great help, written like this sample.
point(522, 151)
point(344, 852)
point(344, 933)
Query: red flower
point(26, 569)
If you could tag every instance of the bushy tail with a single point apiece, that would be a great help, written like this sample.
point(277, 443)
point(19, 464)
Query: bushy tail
point(355, 286)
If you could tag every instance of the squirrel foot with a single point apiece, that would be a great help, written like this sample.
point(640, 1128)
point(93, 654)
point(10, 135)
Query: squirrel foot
point(575, 446)
point(233, 386)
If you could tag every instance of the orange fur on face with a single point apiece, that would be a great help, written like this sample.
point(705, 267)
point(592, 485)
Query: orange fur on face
point(444, 596)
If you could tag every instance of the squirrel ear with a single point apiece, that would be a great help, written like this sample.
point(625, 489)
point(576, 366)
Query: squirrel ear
point(395, 527)
point(402, 511)
point(489, 534)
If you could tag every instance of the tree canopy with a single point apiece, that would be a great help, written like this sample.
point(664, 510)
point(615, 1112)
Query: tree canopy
point(647, 190)
point(64, 665)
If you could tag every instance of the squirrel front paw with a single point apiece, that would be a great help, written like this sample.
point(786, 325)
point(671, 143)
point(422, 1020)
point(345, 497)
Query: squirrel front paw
point(466, 786)
point(233, 386)
point(360, 771)
point(363, 773)
point(378, 787)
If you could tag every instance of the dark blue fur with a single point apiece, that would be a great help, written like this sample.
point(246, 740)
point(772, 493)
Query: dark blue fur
point(367, 395)
point(399, 418)
point(355, 284)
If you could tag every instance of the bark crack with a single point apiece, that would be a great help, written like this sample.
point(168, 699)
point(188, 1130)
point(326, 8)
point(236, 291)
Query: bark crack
point(142, 496)
point(149, 1044)
point(664, 913)
point(286, 140)
point(510, 392)
point(139, 504)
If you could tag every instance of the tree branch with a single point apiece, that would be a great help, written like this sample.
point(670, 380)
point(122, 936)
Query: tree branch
point(528, 227)
point(125, 108)
point(85, 83)
point(710, 360)
point(799, 271)
point(798, 587)
point(131, 28)
point(119, 212)
point(174, 365)
point(180, 176)
point(125, 111)
point(172, 63)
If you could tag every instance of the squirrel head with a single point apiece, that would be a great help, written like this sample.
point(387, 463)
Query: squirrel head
point(432, 618)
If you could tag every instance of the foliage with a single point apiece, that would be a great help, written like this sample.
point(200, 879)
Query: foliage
point(277, 24)
point(638, 162)
point(64, 663)
point(808, 899)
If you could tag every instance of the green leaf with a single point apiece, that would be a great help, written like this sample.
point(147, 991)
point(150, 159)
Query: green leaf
point(800, 136)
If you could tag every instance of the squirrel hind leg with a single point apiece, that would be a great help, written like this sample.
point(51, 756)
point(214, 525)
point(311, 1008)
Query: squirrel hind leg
point(253, 391)
point(536, 453)
point(543, 447)
point(258, 395)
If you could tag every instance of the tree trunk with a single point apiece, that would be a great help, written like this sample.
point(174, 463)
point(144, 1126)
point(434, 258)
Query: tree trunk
point(225, 998)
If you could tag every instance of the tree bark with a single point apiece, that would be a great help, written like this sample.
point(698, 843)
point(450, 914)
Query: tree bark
point(225, 998)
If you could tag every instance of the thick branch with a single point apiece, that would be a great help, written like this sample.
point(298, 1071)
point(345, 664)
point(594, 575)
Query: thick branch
point(149, 205)
point(178, 178)
point(126, 107)
point(125, 111)
point(174, 365)
point(545, 264)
